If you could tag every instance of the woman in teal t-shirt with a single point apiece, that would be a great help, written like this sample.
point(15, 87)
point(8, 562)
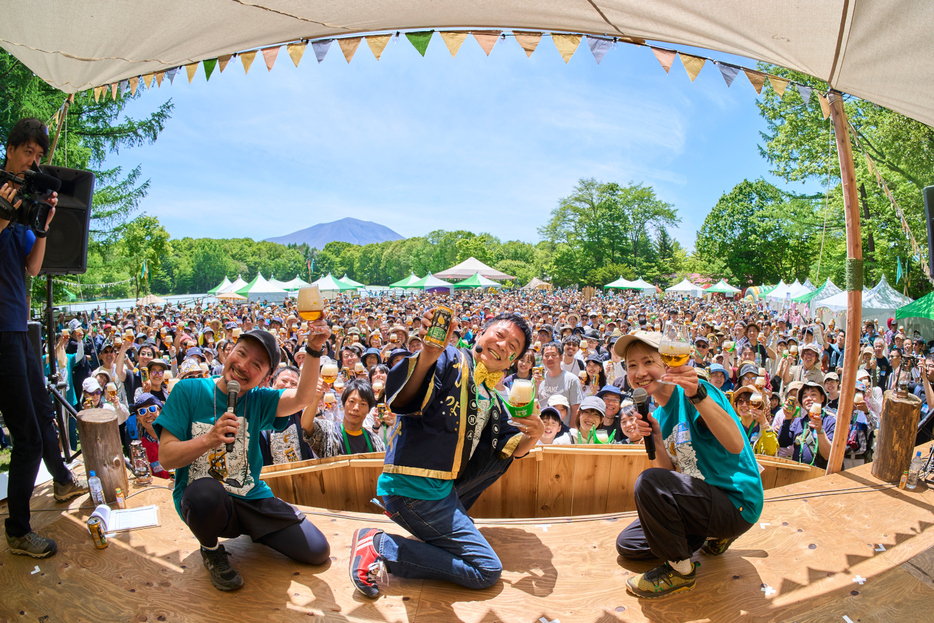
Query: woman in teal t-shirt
point(704, 489)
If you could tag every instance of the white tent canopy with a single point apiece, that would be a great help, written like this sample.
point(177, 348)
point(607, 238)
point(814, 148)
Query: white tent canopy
point(468, 267)
point(260, 289)
point(619, 283)
point(275, 282)
point(645, 286)
point(882, 300)
point(295, 284)
point(232, 287)
point(685, 287)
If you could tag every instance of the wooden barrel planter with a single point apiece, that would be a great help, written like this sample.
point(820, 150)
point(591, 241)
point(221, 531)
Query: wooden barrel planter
point(552, 481)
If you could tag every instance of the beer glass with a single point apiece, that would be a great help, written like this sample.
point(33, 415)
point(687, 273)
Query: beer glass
point(310, 303)
point(329, 372)
point(675, 347)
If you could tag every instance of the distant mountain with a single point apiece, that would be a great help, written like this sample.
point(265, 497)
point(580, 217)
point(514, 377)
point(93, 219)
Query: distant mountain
point(345, 230)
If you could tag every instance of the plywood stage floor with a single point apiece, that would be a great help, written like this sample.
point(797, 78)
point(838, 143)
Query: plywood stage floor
point(839, 548)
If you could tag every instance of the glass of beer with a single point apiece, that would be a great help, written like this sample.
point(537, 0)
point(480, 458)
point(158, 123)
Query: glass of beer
point(675, 347)
point(520, 394)
point(111, 392)
point(205, 371)
point(582, 375)
point(378, 386)
point(310, 303)
point(329, 398)
point(359, 368)
point(234, 333)
point(537, 346)
point(339, 384)
point(118, 341)
point(329, 372)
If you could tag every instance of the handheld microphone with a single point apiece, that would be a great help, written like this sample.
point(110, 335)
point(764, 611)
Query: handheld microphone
point(641, 398)
point(233, 391)
point(478, 348)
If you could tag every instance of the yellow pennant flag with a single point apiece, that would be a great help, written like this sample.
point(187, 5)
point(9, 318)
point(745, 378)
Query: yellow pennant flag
point(55, 118)
point(871, 168)
point(824, 105)
point(566, 44)
point(191, 68)
point(296, 50)
point(453, 40)
point(148, 80)
point(222, 61)
point(349, 46)
point(488, 38)
point(269, 55)
point(528, 41)
point(665, 57)
point(97, 93)
point(757, 78)
point(113, 91)
point(159, 76)
point(247, 58)
point(378, 44)
point(779, 84)
point(692, 64)
point(134, 82)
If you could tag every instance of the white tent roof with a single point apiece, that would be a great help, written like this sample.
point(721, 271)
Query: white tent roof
point(468, 267)
point(879, 51)
point(260, 289)
point(810, 286)
point(329, 284)
point(233, 287)
point(645, 286)
point(295, 284)
point(275, 282)
point(685, 287)
point(619, 283)
point(880, 299)
point(780, 291)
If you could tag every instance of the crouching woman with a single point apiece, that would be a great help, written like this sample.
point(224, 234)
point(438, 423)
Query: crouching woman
point(703, 490)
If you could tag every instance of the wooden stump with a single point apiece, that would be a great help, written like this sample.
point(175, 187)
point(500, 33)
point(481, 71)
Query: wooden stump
point(895, 440)
point(103, 450)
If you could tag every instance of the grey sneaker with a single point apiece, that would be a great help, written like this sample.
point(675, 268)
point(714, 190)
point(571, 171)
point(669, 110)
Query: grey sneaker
point(223, 576)
point(71, 489)
point(31, 545)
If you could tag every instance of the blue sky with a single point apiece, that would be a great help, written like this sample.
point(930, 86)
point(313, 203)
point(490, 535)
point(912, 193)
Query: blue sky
point(418, 144)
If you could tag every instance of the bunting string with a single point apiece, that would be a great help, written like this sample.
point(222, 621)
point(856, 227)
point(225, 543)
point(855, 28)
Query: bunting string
point(76, 284)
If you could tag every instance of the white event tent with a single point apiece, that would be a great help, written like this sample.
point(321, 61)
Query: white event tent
point(685, 288)
point(879, 303)
point(232, 287)
point(261, 290)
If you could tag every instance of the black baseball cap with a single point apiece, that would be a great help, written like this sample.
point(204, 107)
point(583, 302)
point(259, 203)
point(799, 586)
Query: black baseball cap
point(268, 342)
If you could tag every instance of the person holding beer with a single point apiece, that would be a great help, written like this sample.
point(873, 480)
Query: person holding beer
point(752, 406)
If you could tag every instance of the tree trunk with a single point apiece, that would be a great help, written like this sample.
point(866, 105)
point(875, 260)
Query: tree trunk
point(895, 439)
point(103, 450)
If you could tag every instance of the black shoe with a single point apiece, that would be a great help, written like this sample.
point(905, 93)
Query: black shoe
point(716, 547)
point(223, 576)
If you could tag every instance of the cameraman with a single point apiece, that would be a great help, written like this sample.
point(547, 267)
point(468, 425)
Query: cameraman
point(24, 401)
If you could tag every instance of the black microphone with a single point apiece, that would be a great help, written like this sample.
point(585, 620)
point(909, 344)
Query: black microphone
point(641, 398)
point(233, 391)
point(478, 348)
point(42, 180)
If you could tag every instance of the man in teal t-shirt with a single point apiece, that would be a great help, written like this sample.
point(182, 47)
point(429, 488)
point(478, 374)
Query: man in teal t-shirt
point(704, 490)
point(219, 493)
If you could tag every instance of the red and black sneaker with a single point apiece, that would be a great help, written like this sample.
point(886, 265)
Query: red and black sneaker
point(366, 565)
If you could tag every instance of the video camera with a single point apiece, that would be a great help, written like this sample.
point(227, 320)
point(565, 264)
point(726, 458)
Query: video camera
point(34, 185)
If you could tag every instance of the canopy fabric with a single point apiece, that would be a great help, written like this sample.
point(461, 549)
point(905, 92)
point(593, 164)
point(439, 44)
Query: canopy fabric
point(537, 284)
point(260, 289)
point(470, 266)
point(477, 281)
point(721, 287)
point(685, 287)
point(837, 302)
point(151, 299)
point(882, 299)
point(329, 283)
point(874, 50)
point(825, 291)
point(218, 288)
point(645, 286)
point(781, 291)
point(351, 282)
point(810, 286)
point(295, 284)
point(407, 282)
point(232, 287)
point(429, 282)
point(922, 308)
point(620, 283)
point(275, 282)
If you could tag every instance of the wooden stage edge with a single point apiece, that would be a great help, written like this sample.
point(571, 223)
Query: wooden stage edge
point(827, 549)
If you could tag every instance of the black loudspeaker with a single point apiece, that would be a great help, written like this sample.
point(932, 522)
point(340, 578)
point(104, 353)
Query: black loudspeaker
point(34, 332)
point(66, 249)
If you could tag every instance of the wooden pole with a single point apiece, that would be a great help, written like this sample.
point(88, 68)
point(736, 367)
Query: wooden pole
point(895, 439)
point(58, 130)
point(102, 449)
point(854, 280)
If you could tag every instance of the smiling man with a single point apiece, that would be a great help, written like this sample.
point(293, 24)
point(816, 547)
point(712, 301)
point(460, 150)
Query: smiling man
point(220, 494)
point(452, 439)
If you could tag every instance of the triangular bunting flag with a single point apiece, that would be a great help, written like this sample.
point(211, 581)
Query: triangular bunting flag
point(113, 91)
point(209, 66)
point(159, 76)
point(349, 46)
point(487, 39)
point(665, 57)
point(222, 61)
point(191, 68)
point(528, 41)
point(124, 87)
point(269, 55)
point(55, 118)
point(170, 74)
point(321, 48)
point(97, 93)
point(692, 64)
point(148, 80)
point(757, 78)
point(805, 93)
point(779, 84)
point(378, 44)
point(824, 104)
point(566, 44)
point(453, 40)
point(599, 47)
point(247, 59)
point(134, 82)
point(420, 40)
point(869, 165)
point(296, 50)
point(728, 72)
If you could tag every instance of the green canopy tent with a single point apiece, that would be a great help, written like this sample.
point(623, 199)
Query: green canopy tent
point(407, 282)
point(827, 290)
point(721, 287)
point(223, 284)
point(351, 282)
point(922, 308)
point(620, 283)
point(477, 281)
point(429, 282)
point(329, 283)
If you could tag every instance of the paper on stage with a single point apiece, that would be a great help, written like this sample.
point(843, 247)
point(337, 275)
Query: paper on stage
point(127, 518)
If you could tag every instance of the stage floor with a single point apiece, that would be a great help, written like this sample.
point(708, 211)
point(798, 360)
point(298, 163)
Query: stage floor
point(838, 548)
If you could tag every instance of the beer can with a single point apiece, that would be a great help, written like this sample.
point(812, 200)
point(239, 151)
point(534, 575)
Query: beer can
point(96, 528)
point(144, 374)
point(437, 334)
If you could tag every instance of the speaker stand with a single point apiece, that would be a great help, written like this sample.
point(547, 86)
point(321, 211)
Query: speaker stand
point(55, 384)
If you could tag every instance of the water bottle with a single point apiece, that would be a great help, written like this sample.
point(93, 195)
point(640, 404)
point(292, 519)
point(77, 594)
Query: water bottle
point(914, 471)
point(97, 491)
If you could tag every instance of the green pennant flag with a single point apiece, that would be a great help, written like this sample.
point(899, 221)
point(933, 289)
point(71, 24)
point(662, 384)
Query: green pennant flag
point(209, 66)
point(898, 276)
point(420, 40)
point(144, 272)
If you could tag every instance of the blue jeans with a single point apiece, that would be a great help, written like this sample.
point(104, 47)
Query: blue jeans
point(450, 546)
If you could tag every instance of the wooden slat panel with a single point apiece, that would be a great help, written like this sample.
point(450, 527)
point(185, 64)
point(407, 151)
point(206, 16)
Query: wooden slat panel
point(555, 485)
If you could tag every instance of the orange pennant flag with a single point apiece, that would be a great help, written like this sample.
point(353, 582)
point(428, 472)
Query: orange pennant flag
point(159, 76)
point(665, 57)
point(779, 84)
point(871, 168)
point(692, 64)
point(488, 38)
point(134, 82)
point(191, 68)
point(148, 80)
point(824, 105)
point(296, 50)
point(566, 44)
point(269, 55)
point(757, 78)
point(528, 41)
point(222, 61)
point(247, 58)
point(97, 93)
point(453, 40)
point(349, 46)
point(378, 44)
point(113, 91)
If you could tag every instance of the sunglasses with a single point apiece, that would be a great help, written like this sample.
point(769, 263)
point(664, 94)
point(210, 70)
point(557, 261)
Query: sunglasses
point(35, 124)
point(157, 373)
point(149, 409)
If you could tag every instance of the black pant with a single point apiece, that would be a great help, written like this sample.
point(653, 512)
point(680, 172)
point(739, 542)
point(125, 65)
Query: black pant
point(27, 411)
point(677, 513)
point(211, 512)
